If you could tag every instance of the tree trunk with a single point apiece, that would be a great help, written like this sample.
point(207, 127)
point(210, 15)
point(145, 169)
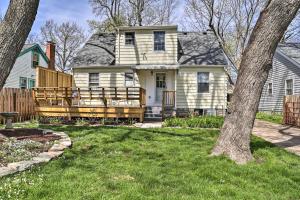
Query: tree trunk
point(14, 30)
point(234, 140)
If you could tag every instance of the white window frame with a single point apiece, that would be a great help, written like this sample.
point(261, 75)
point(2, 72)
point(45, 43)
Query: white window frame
point(126, 82)
point(271, 89)
point(208, 82)
point(94, 82)
point(134, 40)
point(154, 41)
point(24, 78)
point(285, 87)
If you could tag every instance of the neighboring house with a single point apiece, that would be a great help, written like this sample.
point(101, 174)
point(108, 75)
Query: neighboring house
point(284, 78)
point(23, 73)
point(157, 58)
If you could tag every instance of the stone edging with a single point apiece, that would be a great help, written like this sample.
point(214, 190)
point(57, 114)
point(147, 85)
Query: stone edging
point(55, 151)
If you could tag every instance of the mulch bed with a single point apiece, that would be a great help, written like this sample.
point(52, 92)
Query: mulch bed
point(36, 135)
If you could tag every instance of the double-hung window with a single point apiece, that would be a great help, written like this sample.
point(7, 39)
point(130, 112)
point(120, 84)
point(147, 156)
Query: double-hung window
point(93, 80)
point(270, 89)
point(159, 41)
point(203, 82)
point(129, 77)
point(23, 82)
point(129, 38)
point(35, 59)
point(289, 88)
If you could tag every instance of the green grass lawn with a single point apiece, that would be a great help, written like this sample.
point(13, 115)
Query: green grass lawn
point(274, 118)
point(128, 163)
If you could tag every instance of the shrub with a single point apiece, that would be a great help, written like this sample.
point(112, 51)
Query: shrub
point(274, 118)
point(195, 122)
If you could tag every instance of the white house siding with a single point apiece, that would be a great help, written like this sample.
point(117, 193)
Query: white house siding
point(143, 51)
point(187, 90)
point(148, 82)
point(23, 68)
point(282, 70)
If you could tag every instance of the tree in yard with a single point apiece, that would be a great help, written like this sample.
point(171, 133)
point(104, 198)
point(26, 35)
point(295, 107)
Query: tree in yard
point(68, 38)
point(14, 29)
point(232, 21)
point(234, 140)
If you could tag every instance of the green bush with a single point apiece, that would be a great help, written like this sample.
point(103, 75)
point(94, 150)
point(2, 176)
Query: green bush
point(274, 118)
point(195, 122)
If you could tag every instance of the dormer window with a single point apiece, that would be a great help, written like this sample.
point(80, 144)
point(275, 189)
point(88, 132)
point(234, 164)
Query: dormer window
point(159, 41)
point(129, 38)
point(35, 59)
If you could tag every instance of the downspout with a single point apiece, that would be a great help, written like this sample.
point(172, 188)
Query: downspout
point(119, 43)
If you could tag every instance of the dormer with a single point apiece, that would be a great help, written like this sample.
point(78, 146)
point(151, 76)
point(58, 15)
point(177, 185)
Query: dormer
point(146, 45)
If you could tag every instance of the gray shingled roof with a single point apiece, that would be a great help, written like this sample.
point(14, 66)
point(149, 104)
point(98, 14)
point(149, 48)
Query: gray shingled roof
point(99, 50)
point(292, 50)
point(193, 49)
point(196, 48)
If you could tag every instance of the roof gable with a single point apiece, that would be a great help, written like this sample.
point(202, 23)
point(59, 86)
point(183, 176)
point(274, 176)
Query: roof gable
point(290, 51)
point(34, 47)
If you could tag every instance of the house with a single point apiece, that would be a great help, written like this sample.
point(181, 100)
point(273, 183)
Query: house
point(23, 73)
point(283, 79)
point(189, 65)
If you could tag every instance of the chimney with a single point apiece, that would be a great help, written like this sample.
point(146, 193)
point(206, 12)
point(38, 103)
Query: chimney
point(50, 52)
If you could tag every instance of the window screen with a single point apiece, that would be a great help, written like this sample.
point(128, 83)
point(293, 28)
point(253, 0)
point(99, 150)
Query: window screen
point(94, 80)
point(129, 79)
point(23, 83)
point(203, 82)
point(130, 38)
point(159, 41)
point(289, 87)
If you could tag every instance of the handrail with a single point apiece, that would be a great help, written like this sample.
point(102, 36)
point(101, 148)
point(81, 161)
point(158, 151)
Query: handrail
point(96, 93)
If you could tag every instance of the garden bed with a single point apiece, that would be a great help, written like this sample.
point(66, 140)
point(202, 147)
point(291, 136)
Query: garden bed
point(23, 144)
point(195, 122)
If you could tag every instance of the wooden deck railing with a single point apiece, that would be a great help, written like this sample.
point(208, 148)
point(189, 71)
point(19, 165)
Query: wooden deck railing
point(65, 96)
point(168, 101)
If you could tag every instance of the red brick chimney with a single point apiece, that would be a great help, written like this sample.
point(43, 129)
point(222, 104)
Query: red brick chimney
point(50, 52)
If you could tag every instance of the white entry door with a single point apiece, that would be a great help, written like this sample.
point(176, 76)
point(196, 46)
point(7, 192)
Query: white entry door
point(160, 86)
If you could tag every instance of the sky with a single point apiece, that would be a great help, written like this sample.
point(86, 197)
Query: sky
point(78, 11)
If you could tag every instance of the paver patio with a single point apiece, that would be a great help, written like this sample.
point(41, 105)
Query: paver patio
point(287, 137)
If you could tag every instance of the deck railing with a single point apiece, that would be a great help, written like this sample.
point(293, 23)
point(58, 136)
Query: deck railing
point(168, 102)
point(65, 96)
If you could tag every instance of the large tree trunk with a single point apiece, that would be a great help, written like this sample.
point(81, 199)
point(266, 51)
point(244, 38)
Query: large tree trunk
point(234, 140)
point(14, 30)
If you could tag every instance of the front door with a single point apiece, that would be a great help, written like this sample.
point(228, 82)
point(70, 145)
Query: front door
point(160, 86)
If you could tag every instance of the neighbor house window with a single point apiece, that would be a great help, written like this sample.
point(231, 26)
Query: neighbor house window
point(35, 59)
point(270, 89)
point(31, 83)
point(159, 41)
point(23, 83)
point(129, 79)
point(289, 90)
point(203, 82)
point(130, 38)
point(94, 80)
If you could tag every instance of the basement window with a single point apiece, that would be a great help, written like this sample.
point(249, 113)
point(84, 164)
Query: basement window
point(203, 82)
point(93, 80)
point(129, 38)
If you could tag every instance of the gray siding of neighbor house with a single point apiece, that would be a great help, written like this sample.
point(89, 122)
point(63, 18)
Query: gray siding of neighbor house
point(282, 70)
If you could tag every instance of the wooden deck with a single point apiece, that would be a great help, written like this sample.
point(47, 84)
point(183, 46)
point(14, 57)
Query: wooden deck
point(112, 102)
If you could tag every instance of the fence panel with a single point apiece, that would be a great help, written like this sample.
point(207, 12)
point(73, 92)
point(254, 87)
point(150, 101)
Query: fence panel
point(291, 110)
point(51, 78)
point(17, 100)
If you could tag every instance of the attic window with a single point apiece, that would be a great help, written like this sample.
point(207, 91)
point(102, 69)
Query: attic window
point(129, 38)
point(35, 59)
point(159, 41)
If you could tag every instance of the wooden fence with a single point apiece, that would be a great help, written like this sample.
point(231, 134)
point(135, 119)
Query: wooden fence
point(51, 78)
point(17, 100)
point(291, 110)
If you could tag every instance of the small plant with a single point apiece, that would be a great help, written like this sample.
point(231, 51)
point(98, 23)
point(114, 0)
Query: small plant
point(195, 122)
point(270, 117)
point(81, 122)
